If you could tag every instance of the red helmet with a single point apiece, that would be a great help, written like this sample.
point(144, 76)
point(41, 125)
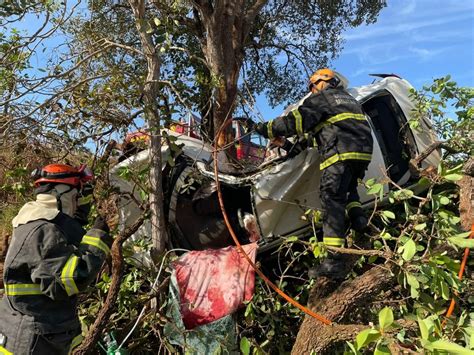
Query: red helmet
point(62, 174)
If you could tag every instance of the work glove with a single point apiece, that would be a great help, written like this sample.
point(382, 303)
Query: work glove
point(84, 204)
point(261, 128)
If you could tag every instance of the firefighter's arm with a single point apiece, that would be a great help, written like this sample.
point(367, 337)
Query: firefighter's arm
point(65, 270)
point(297, 122)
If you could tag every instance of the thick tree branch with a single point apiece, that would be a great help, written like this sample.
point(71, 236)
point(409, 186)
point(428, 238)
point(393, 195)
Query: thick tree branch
point(338, 306)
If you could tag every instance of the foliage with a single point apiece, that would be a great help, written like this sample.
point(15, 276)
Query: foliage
point(451, 109)
point(421, 233)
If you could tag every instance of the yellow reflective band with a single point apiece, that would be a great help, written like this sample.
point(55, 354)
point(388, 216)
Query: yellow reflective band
point(22, 289)
point(96, 242)
point(298, 122)
point(340, 117)
point(352, 205)
point(4, 351)
point(344, 156)
point(334, 241)
point(67, 275)
point(269, 129)
point(75, 342)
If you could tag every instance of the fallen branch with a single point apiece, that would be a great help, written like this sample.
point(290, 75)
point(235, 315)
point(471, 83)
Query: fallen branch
point(117, 271)
point(361, 252)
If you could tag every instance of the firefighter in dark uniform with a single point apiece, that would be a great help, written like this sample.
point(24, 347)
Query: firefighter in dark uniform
point(335, 119)
point(49, 261)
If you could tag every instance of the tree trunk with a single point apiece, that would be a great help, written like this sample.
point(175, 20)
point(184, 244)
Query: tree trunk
point(226, 29)
point(150, 92)
point(338, 307)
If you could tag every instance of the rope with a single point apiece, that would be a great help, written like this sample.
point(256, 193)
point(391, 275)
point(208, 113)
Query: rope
point(255, 267)
point(460, 275)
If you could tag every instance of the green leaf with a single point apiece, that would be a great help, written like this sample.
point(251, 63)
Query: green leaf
point(157, 21)
point(291, 239)
point(375, 189)
point(409, 250)
point(425, 333)
point(414, 285)
point(453, 177)
point(245, 346)
point(444, 290)
point(462, 242)
point(451, 348)
point(352, 347)
point(420, 227)
point(389, 214)
point(385, 318)
point(366, 336)
point(382, 350)
point(317, 251)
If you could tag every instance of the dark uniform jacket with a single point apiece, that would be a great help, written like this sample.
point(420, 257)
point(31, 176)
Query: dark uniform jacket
point(47, 265)
point(337, 122)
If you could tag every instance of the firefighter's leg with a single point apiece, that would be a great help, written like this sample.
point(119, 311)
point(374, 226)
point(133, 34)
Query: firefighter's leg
point(58, 343)
point(354, 208)
point(334, 187)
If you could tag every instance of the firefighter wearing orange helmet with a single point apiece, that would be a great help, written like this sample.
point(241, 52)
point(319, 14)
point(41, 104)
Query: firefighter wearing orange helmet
point(344, 139)
point(49, 262)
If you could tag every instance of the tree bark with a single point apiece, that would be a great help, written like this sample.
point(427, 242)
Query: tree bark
point(226, 25)
point(338, 306)
point(150, 93)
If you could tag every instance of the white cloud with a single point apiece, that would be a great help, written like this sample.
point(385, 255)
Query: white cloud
point(408, 8)
point(424, 54)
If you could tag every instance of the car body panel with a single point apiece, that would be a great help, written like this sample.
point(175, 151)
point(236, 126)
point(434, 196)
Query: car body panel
point(281, 190)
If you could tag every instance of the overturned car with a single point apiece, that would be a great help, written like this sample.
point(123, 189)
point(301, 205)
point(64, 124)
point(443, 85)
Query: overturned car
point(278, 189)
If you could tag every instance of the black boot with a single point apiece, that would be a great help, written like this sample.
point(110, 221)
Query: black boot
point(359, 223)
point(335, 267)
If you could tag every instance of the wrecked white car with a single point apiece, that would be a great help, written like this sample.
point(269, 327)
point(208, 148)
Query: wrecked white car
point(280, 189)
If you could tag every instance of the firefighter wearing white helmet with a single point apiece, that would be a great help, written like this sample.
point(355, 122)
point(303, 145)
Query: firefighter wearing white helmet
point(49, 261)
point(335, 119)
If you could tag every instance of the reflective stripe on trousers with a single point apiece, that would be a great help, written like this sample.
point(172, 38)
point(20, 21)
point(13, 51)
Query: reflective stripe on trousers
point(22, 289)
point(344, 156)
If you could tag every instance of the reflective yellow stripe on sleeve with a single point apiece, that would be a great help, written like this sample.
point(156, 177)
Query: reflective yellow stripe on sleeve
point(334, 241)
point(22, 289)
point(298, 122)
point(96, 242)
point(269, 129)
point(67, 275)
point(353, 204)
point(4, 351)
point(344, 156)
point(340, 117)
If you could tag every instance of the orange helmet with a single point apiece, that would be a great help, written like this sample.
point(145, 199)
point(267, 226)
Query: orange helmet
point(62, 174)
point(321, 78)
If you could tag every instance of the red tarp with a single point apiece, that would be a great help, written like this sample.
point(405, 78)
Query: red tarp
point(214, 283)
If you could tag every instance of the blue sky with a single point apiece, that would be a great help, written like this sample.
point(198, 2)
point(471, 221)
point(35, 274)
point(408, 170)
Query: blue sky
point(418, 40)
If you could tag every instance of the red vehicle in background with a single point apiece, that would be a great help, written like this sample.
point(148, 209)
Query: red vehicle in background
point(249, 147)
